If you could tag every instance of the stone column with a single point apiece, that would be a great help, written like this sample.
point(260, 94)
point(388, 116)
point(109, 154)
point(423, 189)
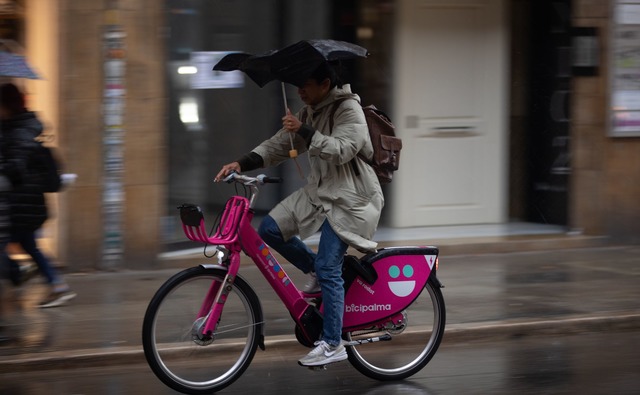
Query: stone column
point(82, 126)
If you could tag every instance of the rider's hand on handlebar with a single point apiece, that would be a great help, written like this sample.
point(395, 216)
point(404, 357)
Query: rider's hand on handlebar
point(226, 170)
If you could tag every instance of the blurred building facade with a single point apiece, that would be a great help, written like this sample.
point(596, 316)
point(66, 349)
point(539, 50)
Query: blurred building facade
point(503, 106)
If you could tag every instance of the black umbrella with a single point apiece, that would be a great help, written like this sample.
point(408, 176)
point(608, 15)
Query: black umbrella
point(293, 64)
point(254, 66)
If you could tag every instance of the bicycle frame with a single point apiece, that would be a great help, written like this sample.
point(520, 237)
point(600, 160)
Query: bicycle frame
point(236, 234)
point(402, 273)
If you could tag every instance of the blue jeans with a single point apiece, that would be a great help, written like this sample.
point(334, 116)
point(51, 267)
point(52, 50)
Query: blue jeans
point(27, 241)
point(327, 264)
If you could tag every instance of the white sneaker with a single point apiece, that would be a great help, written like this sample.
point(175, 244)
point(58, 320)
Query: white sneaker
point(323, 354)
point(312, 286)
point(57, 298)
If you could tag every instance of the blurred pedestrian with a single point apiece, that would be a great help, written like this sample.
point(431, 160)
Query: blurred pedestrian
point(7, 177)
point(5, 187)
point(27, 204)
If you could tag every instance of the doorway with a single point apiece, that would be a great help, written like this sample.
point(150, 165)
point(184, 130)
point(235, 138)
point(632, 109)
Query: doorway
point(450, 106)
point(540, 164)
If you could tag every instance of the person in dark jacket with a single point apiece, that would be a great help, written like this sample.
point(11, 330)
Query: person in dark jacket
point(5, 187)
point(28, 207)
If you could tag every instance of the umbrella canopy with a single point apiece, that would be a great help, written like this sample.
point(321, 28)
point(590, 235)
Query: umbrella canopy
point(293, 64)
point(12, 65)
point(255, 67)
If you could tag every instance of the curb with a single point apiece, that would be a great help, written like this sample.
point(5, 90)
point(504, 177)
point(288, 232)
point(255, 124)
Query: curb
point(458, 333)
point(454, 333)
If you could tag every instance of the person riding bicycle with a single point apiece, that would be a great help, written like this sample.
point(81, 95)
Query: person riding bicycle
point(342, 198)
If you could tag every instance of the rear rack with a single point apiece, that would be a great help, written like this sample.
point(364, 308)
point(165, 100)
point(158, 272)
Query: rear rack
point(227, 229)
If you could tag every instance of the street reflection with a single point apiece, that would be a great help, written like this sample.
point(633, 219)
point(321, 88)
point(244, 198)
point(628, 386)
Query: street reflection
point(604, 363)
point(554, 370)
point(30, 328)
point(405, 387)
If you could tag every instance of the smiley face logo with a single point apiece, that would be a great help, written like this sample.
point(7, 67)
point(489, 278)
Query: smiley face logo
point(404, 287)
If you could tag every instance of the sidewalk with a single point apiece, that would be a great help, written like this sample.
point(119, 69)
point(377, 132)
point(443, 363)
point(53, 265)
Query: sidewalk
point(560, 286)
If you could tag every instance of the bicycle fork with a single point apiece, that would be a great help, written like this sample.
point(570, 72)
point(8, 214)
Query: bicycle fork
point(211, 309)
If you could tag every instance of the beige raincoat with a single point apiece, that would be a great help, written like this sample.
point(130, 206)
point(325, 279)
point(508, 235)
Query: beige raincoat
point(351, 203)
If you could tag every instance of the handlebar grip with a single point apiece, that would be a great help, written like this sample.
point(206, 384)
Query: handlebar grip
point(229, 177)
point(270, 180)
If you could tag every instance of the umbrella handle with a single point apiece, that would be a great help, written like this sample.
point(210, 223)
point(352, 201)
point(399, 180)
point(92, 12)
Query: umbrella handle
point(293, 152)
point(284, 98)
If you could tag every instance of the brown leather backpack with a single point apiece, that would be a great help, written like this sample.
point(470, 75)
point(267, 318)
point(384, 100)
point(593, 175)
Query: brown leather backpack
point(386, 146)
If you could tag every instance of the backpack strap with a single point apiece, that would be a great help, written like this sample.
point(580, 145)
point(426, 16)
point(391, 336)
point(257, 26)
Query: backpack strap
point(303, 117)
point(334, 108)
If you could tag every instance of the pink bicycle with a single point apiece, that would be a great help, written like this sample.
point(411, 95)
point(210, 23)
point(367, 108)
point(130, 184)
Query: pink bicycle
point(203, 326)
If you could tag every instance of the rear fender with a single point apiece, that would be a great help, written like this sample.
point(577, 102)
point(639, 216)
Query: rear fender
point(402, 273)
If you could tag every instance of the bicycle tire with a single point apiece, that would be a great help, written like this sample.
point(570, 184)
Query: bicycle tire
point(178, 359)
point(401, 357)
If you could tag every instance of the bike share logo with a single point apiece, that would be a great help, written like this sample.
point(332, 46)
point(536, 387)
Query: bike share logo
point(275, 266)
point(405, 287)
point(399, 288)
point(365, 308)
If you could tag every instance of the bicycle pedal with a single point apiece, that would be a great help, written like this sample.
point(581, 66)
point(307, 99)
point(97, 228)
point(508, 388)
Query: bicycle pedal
point(317, 368)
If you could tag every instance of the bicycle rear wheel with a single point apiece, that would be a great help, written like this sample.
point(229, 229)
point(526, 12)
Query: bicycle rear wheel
point(411, 347)
point(189, 363)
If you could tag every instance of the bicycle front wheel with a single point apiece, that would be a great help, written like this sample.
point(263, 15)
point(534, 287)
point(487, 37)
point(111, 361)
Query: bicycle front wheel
point(412, 344)
point(187, 361)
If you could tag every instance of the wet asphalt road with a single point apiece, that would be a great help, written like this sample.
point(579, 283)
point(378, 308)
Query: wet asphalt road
point(600, 363)
point(498, 289)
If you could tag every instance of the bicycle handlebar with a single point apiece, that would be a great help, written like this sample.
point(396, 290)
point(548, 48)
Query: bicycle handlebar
point(251, 182)
point(247, 180)
point(269, 180)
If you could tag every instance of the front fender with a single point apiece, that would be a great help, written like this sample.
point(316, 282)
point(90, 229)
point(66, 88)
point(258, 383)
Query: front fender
point(214, 266)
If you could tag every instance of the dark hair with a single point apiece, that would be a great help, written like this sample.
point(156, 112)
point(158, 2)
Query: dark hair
point(12, 99)
point(330, 71)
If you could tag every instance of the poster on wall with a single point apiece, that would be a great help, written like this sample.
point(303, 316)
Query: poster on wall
point(625, 69)
point(205, 77)
point(114, 96)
